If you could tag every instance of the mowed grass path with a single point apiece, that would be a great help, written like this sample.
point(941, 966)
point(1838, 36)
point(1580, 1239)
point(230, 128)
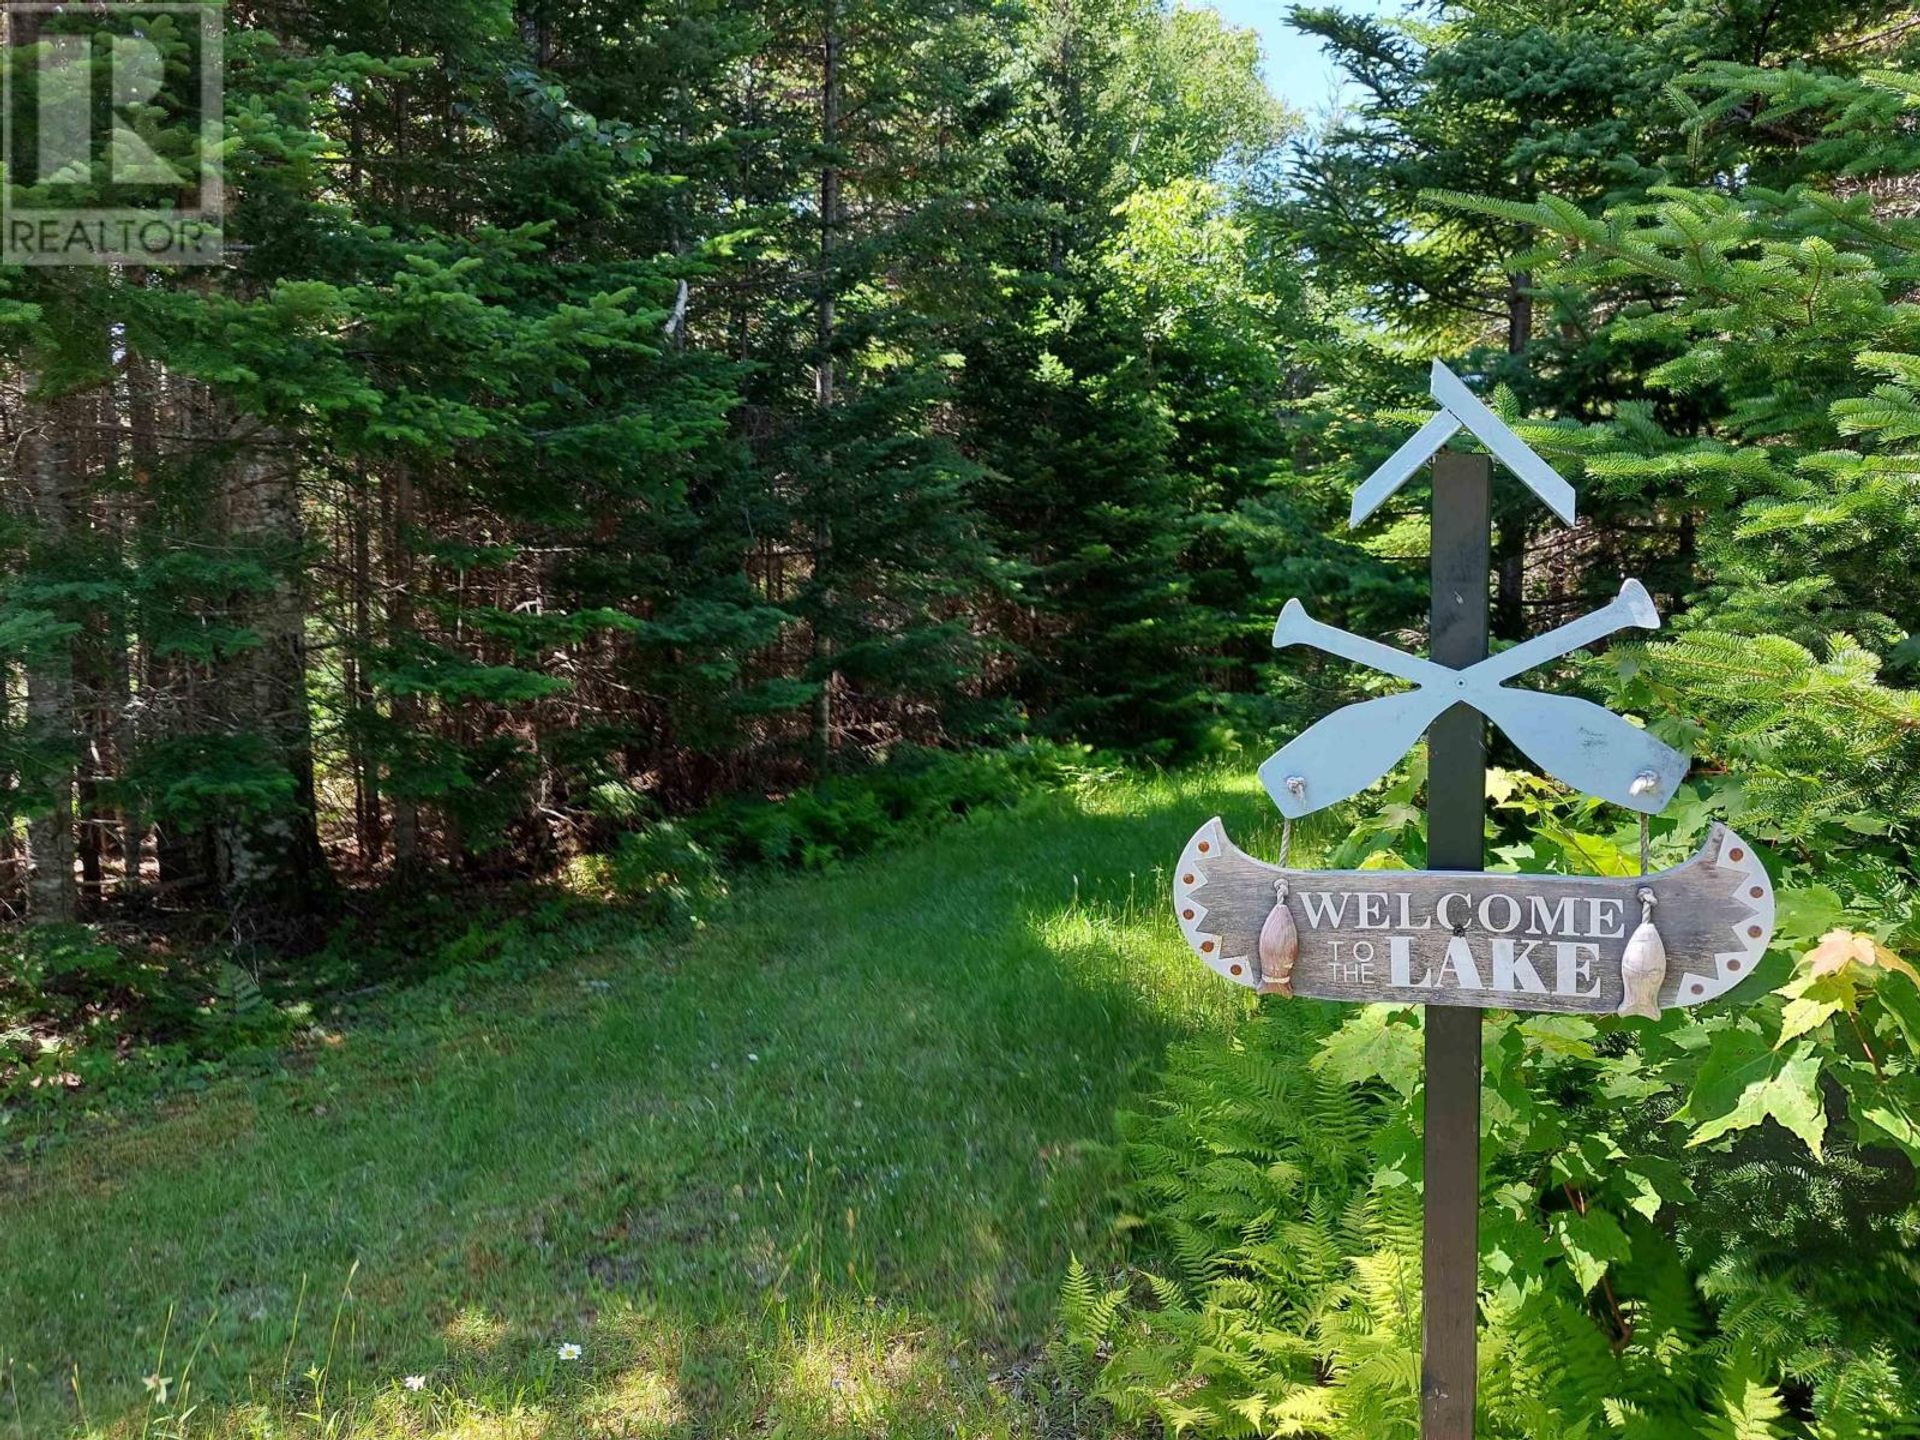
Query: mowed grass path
point(816, 1173)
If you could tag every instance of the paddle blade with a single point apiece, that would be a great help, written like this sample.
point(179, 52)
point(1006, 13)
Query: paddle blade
point(1348, 750)
point(1589, 748)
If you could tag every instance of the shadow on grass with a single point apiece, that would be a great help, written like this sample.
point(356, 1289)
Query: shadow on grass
point(816, 1173)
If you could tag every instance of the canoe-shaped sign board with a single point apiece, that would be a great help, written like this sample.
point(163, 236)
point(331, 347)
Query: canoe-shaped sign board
point(1498, 941)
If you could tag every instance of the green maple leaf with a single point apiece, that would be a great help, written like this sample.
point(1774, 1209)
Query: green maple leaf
point(1593, 1241)
point(1655, 1182)
point(1378, 1044)
point(1784, 1089)
point(1812, 1000)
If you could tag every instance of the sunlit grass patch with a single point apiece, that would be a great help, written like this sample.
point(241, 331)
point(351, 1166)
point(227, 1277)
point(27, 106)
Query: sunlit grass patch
point(815, 1172)
point(473, 1331)
point(637, 1401)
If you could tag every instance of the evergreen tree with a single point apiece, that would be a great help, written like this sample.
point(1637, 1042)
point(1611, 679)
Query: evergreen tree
point(1079, 429)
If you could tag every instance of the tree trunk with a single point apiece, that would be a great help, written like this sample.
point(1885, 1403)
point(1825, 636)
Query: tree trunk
point(92, 820)
point(94, 452)
point(1510, 543)
point(823, 383)
point(406, 717)
point(1519, 311)
point(175, 688)
point(128, 833)
point(131, 667)
point(11, 873)
point(368, 837)
point(46, 466)
point(270, 859)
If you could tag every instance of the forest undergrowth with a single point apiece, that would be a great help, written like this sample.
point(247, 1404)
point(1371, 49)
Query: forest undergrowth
point(96, 1017)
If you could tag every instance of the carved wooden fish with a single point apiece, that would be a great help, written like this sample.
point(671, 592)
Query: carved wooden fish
point(1279, 948)
point(1643, 968)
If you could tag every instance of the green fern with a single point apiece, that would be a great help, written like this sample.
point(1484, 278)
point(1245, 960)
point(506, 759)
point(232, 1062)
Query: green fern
point(237, 992)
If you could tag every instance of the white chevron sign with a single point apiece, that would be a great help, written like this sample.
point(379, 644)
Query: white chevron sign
point(1461, 409)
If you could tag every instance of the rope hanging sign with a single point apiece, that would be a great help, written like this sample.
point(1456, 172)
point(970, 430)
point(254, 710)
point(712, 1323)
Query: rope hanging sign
point(1510, 942)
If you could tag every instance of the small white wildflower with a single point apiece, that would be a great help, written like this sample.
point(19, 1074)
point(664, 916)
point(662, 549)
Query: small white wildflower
point(158, 1386)
point(415, 1382)
point(569, 1351)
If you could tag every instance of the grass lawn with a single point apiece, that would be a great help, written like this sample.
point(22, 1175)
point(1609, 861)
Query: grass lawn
point(816, 1173)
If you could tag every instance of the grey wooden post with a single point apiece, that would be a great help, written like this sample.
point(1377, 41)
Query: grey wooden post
point(1456, 812)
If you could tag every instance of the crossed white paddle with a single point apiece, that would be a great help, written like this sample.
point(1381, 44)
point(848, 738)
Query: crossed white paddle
point(1573, 740)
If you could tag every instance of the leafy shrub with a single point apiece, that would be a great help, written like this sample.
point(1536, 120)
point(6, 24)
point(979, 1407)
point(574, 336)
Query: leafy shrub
point(37, 959)
point(79, 1012)
point(662, 876)
point(1275, 1187)
point(1285, 1259)
point(856, 814)
point(669, 873)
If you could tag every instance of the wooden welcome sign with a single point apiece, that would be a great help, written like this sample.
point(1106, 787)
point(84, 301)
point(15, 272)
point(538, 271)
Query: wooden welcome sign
point(1511, 942)
point(1455, 938)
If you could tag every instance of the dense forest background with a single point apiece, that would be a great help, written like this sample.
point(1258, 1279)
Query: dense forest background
point(610, 408)
point(606, 409)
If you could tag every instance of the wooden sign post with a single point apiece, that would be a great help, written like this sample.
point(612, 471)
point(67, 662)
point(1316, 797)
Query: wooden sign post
point(1456, 818)
point(1454, 938)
